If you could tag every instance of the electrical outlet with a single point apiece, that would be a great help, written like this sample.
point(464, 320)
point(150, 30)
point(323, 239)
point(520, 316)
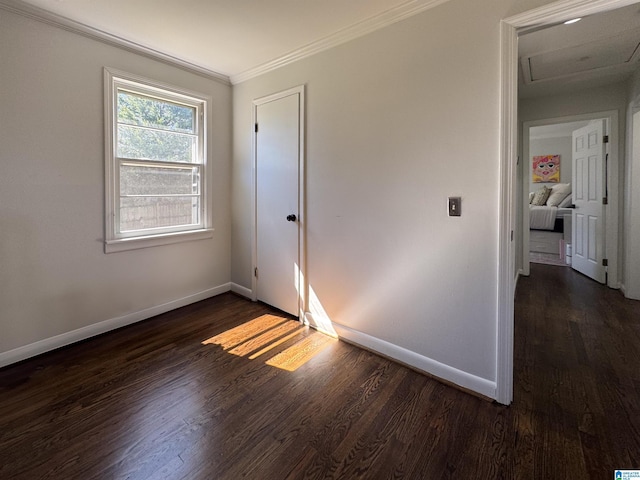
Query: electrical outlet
point(455, 206)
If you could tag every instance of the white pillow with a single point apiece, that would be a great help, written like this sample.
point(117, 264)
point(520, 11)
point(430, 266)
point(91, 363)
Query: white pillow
point(531, 194)
point(566, 202)
point(558, 193)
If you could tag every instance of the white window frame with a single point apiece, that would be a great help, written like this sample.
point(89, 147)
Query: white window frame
point(116, 241)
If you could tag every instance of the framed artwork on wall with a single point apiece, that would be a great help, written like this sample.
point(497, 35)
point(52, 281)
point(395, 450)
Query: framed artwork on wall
point(546, 169)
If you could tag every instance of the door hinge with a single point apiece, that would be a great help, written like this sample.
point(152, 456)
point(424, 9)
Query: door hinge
point(605, 262)
point(605, 139)
point(255, 272)
point(256, 127)
point(605, 201)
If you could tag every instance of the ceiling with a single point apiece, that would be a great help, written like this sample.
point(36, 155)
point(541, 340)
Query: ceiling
point(238, 39)
point(557, 130)
point(230, 37)
point(598, 50)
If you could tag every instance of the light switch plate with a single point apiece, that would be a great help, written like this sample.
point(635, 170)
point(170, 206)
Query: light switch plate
point(455, 206)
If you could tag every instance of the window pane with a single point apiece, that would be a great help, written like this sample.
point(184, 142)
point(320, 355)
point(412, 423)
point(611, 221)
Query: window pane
point(140, 143)
point(150, 112)
point(143, 213)
point(153, 180)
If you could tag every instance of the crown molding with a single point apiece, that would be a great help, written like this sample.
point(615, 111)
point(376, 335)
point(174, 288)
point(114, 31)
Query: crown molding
point(352, 32)
point(49, 18)
point(562, 10)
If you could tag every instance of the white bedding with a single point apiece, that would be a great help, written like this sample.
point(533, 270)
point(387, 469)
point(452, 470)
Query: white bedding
point(544, 217)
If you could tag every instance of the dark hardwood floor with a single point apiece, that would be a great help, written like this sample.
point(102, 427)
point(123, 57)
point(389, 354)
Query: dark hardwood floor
point(229, 389)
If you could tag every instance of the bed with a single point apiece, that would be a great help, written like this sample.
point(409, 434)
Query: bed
point(544, 217)
point(550, 219)
point(548, 205)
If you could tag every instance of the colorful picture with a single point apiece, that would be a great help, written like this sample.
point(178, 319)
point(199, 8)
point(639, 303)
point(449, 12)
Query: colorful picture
point(546, 168)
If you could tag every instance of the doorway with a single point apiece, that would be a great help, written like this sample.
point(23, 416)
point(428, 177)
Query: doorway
point(278, 208)
point(507, 272)
point(556, 134)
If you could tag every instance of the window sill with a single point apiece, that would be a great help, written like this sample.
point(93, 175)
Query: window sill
point(123, 244)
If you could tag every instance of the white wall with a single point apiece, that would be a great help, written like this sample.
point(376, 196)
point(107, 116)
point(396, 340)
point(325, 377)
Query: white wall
point(397, 121)
point(55, 278)
point(551, 146)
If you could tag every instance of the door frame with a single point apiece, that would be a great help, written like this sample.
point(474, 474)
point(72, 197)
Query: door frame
point(300, 275)
point(612, 186)
point(507, 275)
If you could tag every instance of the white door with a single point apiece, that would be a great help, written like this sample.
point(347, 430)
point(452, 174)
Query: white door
point(588, 178)
point(278, 120)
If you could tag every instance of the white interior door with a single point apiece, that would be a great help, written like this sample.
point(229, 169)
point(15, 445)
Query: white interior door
point(277, 201)
point(588, 178)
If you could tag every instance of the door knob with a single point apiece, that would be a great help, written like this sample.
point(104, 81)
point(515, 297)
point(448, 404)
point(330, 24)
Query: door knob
point(291, 218)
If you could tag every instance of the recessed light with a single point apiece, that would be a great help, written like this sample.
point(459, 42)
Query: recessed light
point(573, 20)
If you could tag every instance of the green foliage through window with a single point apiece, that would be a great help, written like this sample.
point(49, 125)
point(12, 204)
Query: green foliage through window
point(153, 129)
point(134, 109)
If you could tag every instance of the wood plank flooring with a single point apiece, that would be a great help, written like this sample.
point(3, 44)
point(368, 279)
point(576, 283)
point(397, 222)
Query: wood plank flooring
point(229, 389)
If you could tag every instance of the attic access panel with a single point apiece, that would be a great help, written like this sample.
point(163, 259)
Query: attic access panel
point(608, 52)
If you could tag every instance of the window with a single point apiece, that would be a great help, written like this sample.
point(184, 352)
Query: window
point(155, 164)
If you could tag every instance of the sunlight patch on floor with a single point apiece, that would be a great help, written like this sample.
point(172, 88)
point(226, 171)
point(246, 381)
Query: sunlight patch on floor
point(261, 335)
point(266, 338)
point(273, 345)
point(294, 357)
point(240, 334)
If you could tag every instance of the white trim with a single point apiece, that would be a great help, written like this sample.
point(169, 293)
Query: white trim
point(302, 221)
point(48, 344)
point(303, 286)
point(240, 290)
point(558, 12)
point(545, 15)
point(613, 185)
point(309, 320)
point(506, 251)
point(55, 20)
point(525, 213)
point(433, 367)
point(347, 34)
point(134, 243)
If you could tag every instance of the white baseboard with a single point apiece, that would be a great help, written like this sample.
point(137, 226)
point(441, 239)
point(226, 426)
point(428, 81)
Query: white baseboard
point(428, 365)
point(323, 327)
point(240, 290)
point(48, 344)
